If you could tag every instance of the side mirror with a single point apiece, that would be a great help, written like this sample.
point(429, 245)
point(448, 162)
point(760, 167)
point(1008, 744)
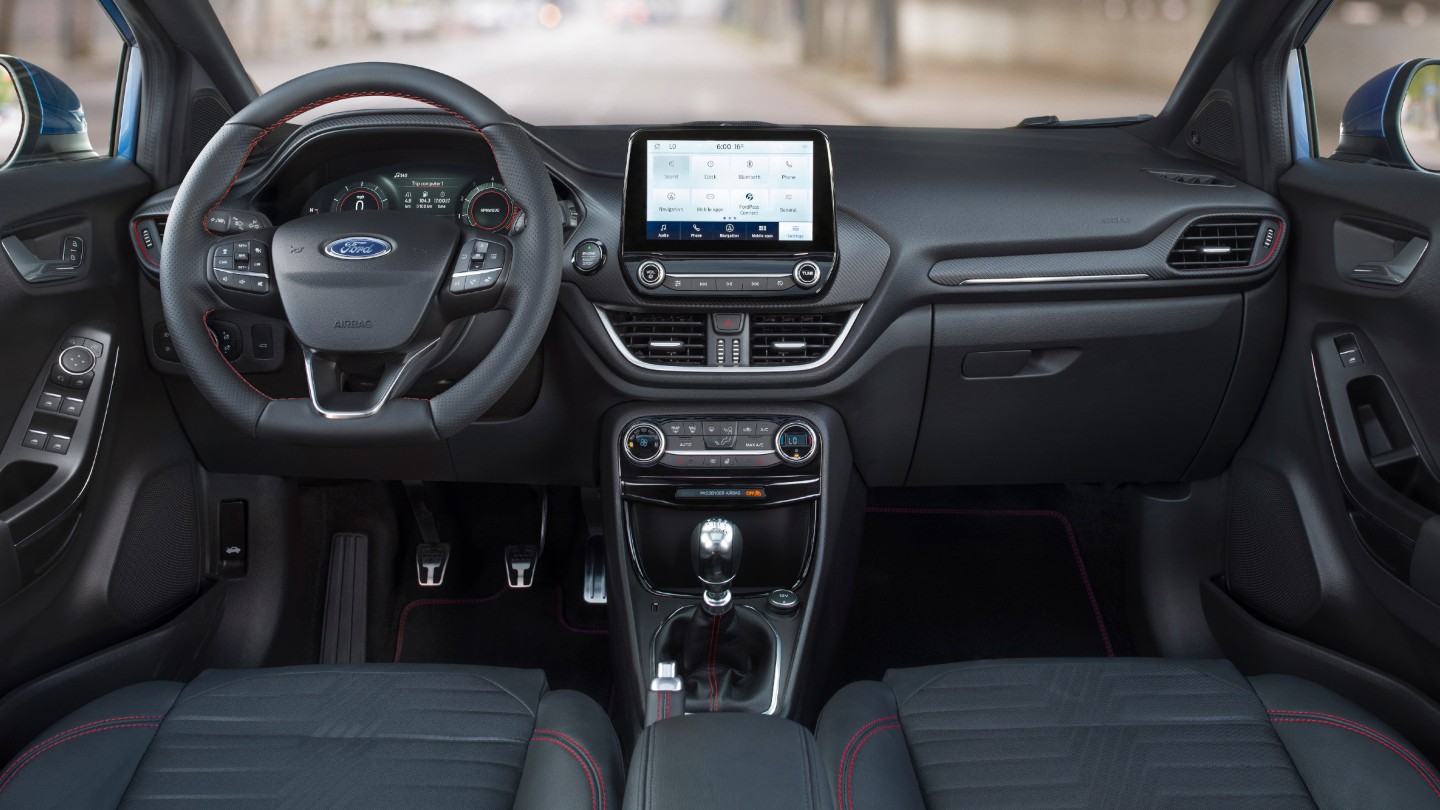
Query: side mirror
point(1394, 118)
point(43, 115)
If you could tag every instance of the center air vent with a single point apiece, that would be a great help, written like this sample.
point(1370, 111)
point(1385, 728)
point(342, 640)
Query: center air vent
point(780, 340)
point(1219, 243)
point(662, 338)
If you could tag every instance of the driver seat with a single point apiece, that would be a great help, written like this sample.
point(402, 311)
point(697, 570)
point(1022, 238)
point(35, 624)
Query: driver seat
point(358, 736)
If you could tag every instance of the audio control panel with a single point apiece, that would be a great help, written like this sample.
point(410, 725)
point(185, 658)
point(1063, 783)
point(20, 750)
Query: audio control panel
point(718, 445)
point(786, 277)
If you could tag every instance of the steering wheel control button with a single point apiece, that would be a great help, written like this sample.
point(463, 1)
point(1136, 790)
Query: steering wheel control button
point(227, 339)
point(807, 274)
point(164, 345)
point(796, 443)
point(651, 274)
point(783, 602)
point(242, 265)
point(643, 444)
point(589, 257)
point(494, 258)
point(77, 359)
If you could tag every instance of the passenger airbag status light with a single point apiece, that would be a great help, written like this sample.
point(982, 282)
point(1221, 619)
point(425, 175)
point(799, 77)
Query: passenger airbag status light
point(720, 493)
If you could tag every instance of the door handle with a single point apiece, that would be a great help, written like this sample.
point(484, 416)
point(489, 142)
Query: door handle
point(1392, 272)
point(36, 270)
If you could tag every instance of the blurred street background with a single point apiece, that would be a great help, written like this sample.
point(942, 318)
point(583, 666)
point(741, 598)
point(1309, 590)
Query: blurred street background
point(947, 63)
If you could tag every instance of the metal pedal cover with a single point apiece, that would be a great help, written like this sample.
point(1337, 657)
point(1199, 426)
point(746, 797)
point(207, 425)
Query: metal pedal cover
point(520, 562)
point(430, 562)
point(594, 584)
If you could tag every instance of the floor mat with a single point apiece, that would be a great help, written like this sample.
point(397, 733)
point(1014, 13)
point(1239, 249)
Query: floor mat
point(938, 585)
point(526, 628)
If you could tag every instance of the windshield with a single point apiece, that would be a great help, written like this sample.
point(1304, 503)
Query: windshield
point(939, 63)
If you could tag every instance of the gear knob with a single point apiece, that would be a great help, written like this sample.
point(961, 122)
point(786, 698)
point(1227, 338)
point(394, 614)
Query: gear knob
point(715, 553)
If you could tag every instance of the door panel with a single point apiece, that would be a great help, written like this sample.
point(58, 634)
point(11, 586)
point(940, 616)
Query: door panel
point(1366, 306)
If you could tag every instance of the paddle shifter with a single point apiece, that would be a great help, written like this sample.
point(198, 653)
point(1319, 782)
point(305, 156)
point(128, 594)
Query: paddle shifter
point(715, 552)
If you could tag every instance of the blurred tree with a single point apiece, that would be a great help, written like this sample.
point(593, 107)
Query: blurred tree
point(7, 25)
point(77, 30)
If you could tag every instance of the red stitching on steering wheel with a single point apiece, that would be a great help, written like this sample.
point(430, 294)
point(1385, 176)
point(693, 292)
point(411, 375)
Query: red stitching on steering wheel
point(254, 142)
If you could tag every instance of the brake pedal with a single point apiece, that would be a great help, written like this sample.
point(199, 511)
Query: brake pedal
point(520, 562)
point(431, 559)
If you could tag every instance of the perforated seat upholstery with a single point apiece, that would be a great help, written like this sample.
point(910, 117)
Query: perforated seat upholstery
point(1112, 733)
point(372, 736)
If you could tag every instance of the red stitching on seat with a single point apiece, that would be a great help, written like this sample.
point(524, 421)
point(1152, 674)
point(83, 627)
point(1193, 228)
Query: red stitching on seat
point(583, 769)
point(840, 776)
point(1373, 737)
point(855, 757)
point(205, 221)
point(1047, 513)
point(31, 757)
point(75, 729)
point(588, 757)
point(405, 614)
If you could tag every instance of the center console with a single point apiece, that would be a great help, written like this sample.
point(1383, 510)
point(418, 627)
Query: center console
point(724, 525)
point(729, 211)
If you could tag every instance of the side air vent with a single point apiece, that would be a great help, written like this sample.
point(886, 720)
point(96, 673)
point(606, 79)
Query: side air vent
point(1219, 243)
point(1190, 178)
point(662, 338)
point(782, 340)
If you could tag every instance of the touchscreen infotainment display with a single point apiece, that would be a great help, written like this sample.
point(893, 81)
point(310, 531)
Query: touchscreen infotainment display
point(732, 190)
point(729, 190)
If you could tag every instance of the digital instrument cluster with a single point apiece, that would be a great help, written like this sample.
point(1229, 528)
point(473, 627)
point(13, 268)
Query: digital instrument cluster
point(447, 191)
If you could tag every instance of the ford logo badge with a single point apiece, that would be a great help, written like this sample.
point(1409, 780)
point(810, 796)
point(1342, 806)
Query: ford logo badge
point(359, 247)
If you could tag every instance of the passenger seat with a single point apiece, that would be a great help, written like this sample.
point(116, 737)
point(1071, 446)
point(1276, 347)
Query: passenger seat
point(1108, 733)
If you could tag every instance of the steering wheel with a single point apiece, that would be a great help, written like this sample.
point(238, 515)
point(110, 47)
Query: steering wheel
point(379, 288)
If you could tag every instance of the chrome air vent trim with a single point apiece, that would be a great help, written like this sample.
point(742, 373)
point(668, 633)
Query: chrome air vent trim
point(603, 315)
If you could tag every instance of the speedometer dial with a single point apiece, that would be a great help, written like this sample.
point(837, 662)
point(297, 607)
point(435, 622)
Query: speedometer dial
point(487, 206)
point(360, 197)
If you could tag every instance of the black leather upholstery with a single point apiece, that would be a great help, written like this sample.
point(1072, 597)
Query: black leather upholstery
point(720, 761)
point(1111, 733)
point(373, 736)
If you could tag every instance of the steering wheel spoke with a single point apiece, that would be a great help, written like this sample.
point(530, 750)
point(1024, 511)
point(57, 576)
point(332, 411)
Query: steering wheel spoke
point(327, 376)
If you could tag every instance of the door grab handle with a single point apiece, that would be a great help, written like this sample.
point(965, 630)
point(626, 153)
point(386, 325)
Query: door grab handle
point(1393, 272)
point(35, 269)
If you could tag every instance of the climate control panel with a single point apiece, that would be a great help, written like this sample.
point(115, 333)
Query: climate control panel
point(719, 444)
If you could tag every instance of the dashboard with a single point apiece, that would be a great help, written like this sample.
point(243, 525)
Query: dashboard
point(991, 307)
point(445, 190)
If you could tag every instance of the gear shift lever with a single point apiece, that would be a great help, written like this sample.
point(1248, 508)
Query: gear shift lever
point(715, 553)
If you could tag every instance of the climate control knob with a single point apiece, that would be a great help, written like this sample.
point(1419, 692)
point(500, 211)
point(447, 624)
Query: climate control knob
point(796, 443)
point(643, 444)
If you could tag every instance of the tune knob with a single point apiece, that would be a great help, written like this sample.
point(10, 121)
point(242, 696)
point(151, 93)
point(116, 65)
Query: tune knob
point(807, 273)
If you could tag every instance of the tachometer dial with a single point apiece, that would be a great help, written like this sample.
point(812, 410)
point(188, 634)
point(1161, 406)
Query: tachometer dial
point(360, 197)
point(487, 207)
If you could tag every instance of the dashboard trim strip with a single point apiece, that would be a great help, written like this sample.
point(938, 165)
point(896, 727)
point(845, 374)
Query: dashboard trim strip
point(634, 361)
point(1058, 279)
